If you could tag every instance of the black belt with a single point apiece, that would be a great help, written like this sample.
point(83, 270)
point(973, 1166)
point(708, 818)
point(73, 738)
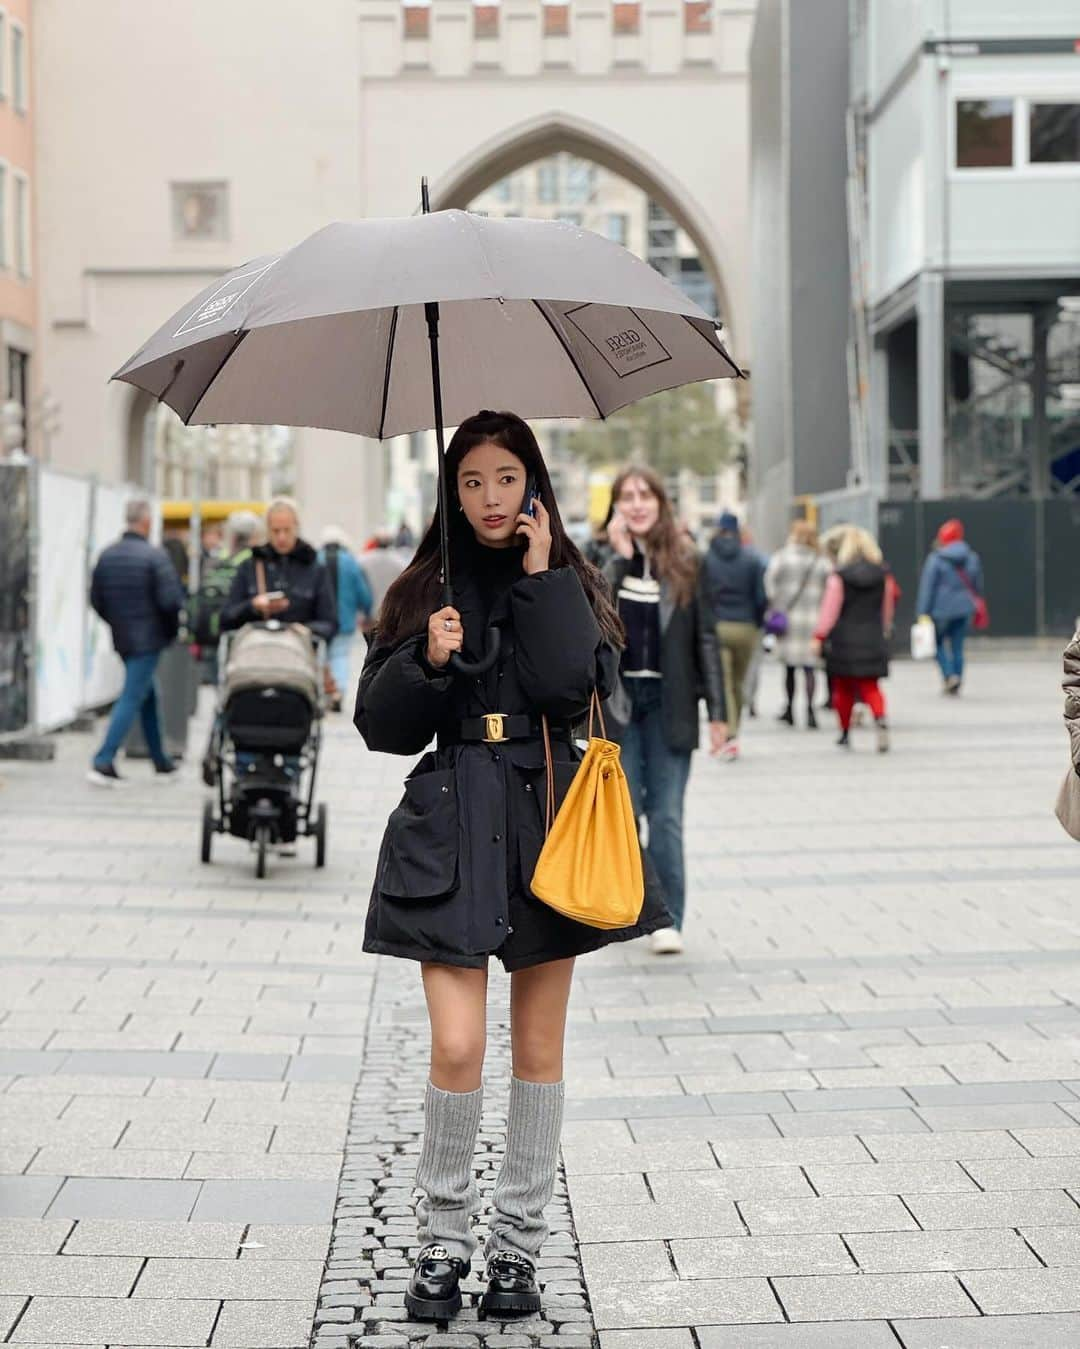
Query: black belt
point(495, 727)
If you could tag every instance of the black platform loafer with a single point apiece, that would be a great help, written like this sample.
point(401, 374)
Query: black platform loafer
point(434, 1292)
point(511, 1289)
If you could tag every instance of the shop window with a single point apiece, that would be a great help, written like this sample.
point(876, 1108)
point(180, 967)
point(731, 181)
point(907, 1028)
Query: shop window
point(1054, 133)
point(984, 133)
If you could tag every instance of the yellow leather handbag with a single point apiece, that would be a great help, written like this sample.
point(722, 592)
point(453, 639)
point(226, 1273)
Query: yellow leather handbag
point(589, 868)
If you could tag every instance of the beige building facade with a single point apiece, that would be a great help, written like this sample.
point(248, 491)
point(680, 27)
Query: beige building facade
point(18, 292)
point(191, 138)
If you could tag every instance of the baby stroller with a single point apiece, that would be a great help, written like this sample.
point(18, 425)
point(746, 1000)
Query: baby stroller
point(265, 747)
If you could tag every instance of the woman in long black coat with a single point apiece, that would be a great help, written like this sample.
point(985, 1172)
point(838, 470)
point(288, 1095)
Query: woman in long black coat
point(452, 879)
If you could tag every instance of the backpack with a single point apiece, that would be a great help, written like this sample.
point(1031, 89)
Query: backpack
point(210, 598)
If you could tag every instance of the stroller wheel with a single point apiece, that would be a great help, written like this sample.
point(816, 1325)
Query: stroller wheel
point(320, 836)
point(262, 838)
point(208, 830)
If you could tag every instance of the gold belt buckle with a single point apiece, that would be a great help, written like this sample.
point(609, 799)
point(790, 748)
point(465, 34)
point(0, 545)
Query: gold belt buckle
point(494, 728)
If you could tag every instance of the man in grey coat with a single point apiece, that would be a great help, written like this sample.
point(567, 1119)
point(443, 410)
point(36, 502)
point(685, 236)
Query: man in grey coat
point(135, 589)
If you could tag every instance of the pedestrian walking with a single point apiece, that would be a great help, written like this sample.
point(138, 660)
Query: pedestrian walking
point(855, 620)
point(734, 582)
point(382, 565)
point(794, 584)
point(452, 880)
point(670, 657)
point(283, 579)
point(354, 603)
point(136, 591)
point(1068, 801)
point(241, 529)
point(757, 660)
point(951, 596)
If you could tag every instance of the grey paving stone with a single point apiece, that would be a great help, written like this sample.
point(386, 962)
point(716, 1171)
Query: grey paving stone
point(30, 1061)
point(583, 1159)
point(997, 1332)
point(692, 1302)
point(1022, 1115)
point(738, 1182)
point(989, 1093)
point(715, 1126)
point(927, 1177)
point(263, 1166)
point(961, 1016)
point(871, 1296)
point(780, 1021)
point(86, 1320)
point(137, 1063)
point(843, 1213)
point(820, 1335)
point(27, 1196)
point(636, 1107)
point(1022, 1208)
point(179, 1240)
point(81, 1197)
point(999, 1292)
point(1049, 1142)
point(894, 1016)
point(645, 1339)
point(850, 1098)
point(68, 1275)
point(10, 1310)
point(748, 1102)
point(227, 1137)
point(239, 1280)
point(1030, 1173)
point(910, 1252)
point(72, 1160)
point(254, 1067)
point(615, 1189)
point(787, 1151)
point(642, 1222)
point(29, 1236)
point(958, 1143)
point(765, 1257)
point(323, 1068)
point(265, 1201)
point(809, 1123)
point(627, 1261)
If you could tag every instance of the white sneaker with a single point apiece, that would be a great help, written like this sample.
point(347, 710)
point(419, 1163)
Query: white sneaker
point(666, 941)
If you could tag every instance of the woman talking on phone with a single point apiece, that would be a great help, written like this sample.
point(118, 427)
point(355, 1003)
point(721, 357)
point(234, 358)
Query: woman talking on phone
point(452, 879)
point(671, 654)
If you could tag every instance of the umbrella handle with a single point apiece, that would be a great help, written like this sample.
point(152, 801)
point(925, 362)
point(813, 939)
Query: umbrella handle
point(481, 666)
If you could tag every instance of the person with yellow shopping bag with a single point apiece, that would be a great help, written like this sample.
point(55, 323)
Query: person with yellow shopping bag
point(453, 883)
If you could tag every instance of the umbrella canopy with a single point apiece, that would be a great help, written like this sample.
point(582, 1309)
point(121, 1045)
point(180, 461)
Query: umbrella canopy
point(539, 316)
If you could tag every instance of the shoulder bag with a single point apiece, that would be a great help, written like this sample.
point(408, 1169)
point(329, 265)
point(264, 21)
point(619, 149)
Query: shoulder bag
point(776, 620)
point(589, 868)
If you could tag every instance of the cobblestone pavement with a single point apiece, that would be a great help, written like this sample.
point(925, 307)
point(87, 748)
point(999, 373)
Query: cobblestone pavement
point(848, 1115)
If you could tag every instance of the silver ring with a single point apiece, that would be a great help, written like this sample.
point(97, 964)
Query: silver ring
point(448, 624)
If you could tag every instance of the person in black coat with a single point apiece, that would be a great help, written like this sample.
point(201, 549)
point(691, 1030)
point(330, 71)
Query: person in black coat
point(452, 879)
point(286, 563)
point(853, 629)
point(671, 660)
point(136, 591)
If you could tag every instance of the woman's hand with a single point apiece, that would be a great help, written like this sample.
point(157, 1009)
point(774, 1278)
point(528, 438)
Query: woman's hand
point(265, 607)
point(537, 534)
point(444, 636)
point(717, 736)
point(619, 536)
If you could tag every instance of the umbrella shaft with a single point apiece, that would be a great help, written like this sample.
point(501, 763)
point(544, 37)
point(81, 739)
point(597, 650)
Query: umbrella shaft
point(431, 313)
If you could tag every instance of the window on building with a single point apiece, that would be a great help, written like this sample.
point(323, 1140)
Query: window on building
point(504, 189)
point(1054, 133)
point(626, 16)
point(485, 20)
point(5, 245)
point(556, 19)
point(199, 211)
point(580, 181)
point(984, 133)
point(697, 16)
point(18, 372)
point(615, 227)
point(417, 20)
point(21, 214)
point(569, 217)
point(547, 182)
point(3, 54)
point(18, 67)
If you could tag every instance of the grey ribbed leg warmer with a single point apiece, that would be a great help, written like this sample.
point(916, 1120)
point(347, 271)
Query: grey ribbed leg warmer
point(526, 1180)
point(451, 1197)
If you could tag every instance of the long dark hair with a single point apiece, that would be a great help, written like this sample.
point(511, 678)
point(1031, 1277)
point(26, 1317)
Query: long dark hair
point(672, 557)
point(417, 592)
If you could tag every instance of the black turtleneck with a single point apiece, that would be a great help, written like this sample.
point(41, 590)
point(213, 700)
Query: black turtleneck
point(495, 570)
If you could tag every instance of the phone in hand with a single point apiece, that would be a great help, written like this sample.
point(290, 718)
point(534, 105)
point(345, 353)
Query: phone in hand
point(276, 595)
point(528, 504)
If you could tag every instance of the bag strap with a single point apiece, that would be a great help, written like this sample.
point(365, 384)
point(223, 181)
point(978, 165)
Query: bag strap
point(965, 581)
point(802, 584)
point(260, 576)
point(596, 712)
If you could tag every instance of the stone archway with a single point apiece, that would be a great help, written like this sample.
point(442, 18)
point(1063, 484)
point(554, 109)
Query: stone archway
point(522, 144)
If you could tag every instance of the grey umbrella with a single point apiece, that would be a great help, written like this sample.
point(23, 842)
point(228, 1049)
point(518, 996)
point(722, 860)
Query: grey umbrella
point(343, 331)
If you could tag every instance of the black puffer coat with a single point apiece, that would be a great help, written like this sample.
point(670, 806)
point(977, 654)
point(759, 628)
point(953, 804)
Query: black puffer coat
point(857, 646)
point(299, 574)
point(451, 882)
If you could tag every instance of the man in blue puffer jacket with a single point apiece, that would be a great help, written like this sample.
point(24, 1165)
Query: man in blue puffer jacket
point(952, 579)
point(135, 589)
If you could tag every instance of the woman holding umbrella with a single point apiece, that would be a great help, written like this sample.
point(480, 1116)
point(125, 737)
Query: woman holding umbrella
point(452, 881)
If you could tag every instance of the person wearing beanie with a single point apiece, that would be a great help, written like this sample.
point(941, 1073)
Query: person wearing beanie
point(734, 585)
point(452, 883)
point(951, 596)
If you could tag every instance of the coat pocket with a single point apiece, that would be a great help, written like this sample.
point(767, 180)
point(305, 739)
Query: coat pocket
point(419, 855)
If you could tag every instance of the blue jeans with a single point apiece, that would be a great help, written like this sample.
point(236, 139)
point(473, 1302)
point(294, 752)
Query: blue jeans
point(657, 776)
point(338, 657)
point(138, 698)
point(950, 646)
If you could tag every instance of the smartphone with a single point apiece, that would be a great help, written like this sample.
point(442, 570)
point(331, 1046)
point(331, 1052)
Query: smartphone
point(276, 595)
point(531, 493)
